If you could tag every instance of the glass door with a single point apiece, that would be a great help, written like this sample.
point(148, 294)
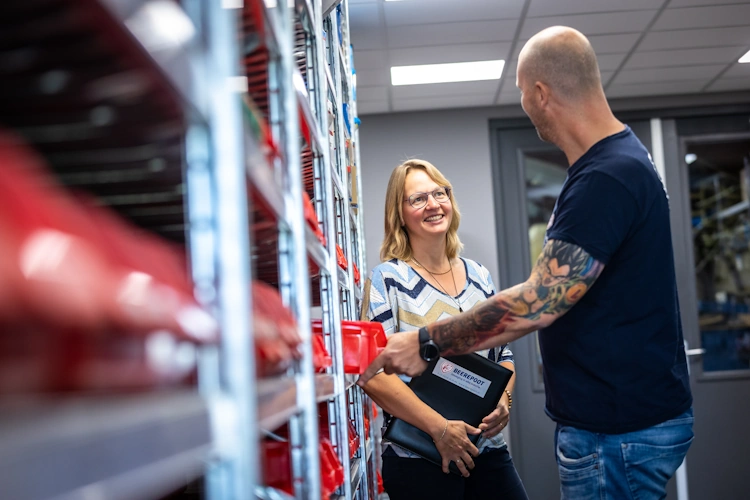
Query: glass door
point(719, 191)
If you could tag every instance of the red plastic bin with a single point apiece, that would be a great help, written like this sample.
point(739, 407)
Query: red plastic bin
point(362, 342)
point(277, 470)
point(331, 470)
point(321, 358)
point(341, 258)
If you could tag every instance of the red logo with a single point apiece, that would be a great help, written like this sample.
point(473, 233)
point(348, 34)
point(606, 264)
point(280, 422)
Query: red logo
point(447, 367)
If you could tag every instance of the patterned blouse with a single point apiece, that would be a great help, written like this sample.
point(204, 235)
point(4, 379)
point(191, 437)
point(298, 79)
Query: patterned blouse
point(402, 300)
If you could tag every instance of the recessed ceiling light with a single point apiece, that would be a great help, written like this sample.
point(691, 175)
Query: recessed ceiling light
point(745, 58)
point(446, 73)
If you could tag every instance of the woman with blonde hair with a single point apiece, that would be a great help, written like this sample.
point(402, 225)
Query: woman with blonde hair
point(422, 278)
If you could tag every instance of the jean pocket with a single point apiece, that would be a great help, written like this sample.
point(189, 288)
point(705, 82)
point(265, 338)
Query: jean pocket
point(640, 453)
point(577, 468)
point(576, 456)
point(649, 467)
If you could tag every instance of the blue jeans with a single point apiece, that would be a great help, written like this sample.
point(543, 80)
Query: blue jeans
point(635, 465)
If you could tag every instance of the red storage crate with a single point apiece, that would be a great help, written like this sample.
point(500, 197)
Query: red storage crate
point(331, 470)
point(353, 439)
point(362, 342)
point(277, 468)
point(312, 218)
point(357, 277)
point(321, 358)
point(341, 258)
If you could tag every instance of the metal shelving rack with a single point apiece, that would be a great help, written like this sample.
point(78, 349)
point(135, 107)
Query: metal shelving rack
point(306, 71)
point(200, 174)
point(328, 86)
point(103, 97)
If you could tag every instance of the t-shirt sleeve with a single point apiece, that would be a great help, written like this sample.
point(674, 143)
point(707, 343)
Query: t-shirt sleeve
point(377, 305)
point(596, 214)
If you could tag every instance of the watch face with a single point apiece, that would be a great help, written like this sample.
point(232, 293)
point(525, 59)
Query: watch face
point(429, 351)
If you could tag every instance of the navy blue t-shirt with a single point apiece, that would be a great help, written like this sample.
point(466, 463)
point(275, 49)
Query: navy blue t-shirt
point(615, 362)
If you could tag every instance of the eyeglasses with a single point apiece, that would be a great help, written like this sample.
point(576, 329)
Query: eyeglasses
point(440, 195)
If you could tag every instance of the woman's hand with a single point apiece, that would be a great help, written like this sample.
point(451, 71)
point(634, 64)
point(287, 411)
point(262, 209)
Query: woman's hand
point(496, 421)
point(455, 446)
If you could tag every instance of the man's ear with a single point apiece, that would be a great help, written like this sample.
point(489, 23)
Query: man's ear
point(542, 94)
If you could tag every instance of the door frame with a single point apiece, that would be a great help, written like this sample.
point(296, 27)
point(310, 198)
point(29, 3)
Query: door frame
point(678, 187)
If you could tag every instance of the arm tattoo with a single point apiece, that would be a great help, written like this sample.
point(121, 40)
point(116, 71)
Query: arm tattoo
point(562, 275)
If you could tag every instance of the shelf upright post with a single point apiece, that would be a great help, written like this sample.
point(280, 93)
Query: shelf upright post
point(234, 410)
point(294, 274)
point(359, 255)
point(332, 316)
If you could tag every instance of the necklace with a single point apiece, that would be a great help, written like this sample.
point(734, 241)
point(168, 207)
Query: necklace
point(457, 302)
point(431, 273)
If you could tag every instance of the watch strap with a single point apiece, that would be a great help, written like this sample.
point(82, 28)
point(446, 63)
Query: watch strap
point(424, 335)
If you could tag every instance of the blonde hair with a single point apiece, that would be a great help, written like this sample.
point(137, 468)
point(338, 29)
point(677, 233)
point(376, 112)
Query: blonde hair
point(396, 240)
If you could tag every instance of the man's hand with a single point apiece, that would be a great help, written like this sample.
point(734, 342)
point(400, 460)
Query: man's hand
point(401, 355)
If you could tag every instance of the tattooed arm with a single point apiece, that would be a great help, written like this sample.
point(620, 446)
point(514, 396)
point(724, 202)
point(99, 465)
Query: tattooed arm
point(562, 275)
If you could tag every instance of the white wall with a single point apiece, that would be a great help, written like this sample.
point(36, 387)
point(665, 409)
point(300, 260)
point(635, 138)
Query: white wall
point(458, 143)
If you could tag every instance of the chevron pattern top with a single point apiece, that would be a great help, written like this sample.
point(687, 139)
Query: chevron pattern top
point(401, 300)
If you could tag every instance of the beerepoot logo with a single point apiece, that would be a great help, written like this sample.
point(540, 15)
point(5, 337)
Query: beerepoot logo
point(461, 377)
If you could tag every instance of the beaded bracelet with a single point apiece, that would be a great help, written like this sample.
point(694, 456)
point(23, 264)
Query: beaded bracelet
point(510, 399)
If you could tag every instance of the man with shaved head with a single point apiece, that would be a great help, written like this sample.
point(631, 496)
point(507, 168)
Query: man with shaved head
point(602, 294)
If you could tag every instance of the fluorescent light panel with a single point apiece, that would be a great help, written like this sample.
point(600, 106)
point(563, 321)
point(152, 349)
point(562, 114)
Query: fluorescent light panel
point(447, 73)
point(745, 58)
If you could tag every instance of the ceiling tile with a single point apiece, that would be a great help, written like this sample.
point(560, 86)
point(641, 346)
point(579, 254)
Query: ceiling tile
point(686, 57)
point(373, 77)
point(372, 107)
point(738, 71)
point(446, 11)
point(449, 53)
point(592, 24)
point(370, 59)
point(613, 44)
point(694, 3)
point(695, 38)
point(451, 33)
point(442, 102)
point(488, 87)
point(509, 96)
point(371, 94)
point(677, 74)
point(368, 39)
point(540, 8)
point(727, 84)
point(657, 88)
point(690, 44)
point(366, 26)
point(703, 17)
point(609, 62)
